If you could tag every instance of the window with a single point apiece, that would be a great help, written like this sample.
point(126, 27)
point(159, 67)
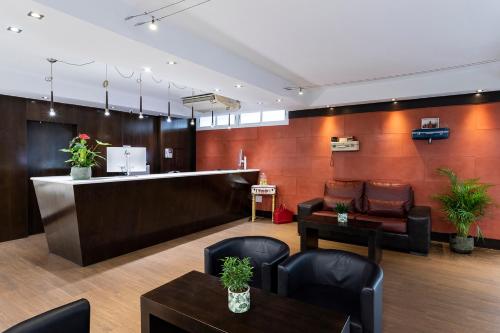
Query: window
point(275, 115)
point(250, 118)
point(205, 121)
point(223, 120)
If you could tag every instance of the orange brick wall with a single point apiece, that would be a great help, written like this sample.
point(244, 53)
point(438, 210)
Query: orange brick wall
point(297, 157)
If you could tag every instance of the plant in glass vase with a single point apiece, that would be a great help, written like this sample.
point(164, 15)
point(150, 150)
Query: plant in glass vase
point(464, 205)
point(342, 210)
point(235, 276)
point(83, 157)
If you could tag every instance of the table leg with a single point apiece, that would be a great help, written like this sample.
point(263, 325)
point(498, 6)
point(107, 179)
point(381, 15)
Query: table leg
point(145, 328)
point(308, 239)
point(253, 207)
point(375, 246)
point(272, 208)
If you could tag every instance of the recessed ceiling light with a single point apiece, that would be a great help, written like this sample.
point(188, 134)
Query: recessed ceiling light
point(479, 91)
point(171, 62)
point(14, 29)
point(394, 100)
point(36, 15)
point(147, 69)
point(112, 107)
point(260, 103)
point(45, 97)
point(217, 90)
point(278, 100)
point(238, 85)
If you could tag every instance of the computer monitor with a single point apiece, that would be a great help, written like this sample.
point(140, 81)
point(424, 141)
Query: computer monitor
point(119, 158)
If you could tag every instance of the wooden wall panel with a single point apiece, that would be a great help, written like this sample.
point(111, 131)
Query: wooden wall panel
point(180, 136)
point(118, 129)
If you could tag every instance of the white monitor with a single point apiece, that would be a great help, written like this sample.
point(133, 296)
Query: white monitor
point(121, 158)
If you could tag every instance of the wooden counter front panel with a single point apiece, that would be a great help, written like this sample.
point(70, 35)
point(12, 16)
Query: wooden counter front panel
point(119, 217)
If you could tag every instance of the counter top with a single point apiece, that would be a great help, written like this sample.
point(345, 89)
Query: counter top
point(67, 179)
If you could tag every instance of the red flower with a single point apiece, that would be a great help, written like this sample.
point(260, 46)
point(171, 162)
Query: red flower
point(84, 136)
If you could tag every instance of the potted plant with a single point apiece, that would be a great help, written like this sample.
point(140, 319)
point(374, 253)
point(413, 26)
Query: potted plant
point(235, 276)
point(463, 206)
point(83, 157)
point(341, 210)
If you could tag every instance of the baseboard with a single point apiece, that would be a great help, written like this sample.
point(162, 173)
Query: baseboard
point(487, 243)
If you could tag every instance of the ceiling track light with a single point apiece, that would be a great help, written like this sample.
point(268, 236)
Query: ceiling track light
point(169, 118)
point(153, 26)
point(52, 112)
point(105, 84)
point(36, 15)
point(141, 116)
point(14, 29)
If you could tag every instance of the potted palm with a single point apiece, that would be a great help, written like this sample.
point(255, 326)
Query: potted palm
point(235, 276)
point(341, 210)
point(463, 206)
point(83, 157)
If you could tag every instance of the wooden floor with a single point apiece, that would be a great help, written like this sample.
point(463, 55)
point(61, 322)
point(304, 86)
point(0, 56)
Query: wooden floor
point(443, 292)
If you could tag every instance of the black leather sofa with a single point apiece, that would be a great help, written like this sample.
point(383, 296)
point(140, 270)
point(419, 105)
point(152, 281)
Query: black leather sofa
point(339, 280)
point(406, 227)
point(73, 317)
point(265, 254)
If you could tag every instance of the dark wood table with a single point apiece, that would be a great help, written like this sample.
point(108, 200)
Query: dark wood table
point(197, 302)
point(310, 226)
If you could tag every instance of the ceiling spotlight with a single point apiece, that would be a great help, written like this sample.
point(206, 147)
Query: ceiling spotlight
point(260, 103)
point(45, 97)
point(278, 100)
point(217, 90)
point(36, 15)
point(14, 29)
point(153, 26)
point(113, 107)
point(147, 69)
point(301, 91)
point(238, 85)
point(394, 100)
point(479, 91)
point(171, 62)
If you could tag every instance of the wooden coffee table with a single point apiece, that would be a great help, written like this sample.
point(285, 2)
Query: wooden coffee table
point(310, 226)
point(197, 302)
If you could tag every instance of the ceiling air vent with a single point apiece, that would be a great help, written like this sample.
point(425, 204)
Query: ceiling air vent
point(211, 102)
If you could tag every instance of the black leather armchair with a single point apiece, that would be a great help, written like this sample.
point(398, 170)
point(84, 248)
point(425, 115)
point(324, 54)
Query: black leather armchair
point(73, 317)
point(265, 254)
point(335, 279)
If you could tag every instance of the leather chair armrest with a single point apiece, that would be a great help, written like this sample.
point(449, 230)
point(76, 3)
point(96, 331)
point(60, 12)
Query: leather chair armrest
point(292, 272)
point(213, 253)
point(73, 317)
point(371, 303)
point(419, 229)
point(270, 272)
point(308, 207)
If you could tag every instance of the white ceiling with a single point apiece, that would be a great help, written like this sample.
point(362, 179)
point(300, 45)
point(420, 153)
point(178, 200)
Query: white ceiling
point(266, 45)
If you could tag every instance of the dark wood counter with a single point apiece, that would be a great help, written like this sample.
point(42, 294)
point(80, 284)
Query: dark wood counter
point(90, 221)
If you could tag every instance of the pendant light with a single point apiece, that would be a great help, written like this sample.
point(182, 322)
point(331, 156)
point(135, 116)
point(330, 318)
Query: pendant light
point(169, 119)
point(192, 116)
point(52, 112)
point(212, 125)
point(105, 84)
point(229, 121)
point(141, 116)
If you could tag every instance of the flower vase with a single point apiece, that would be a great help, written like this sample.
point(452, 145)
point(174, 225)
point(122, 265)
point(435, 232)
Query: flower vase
point(78, 173)
point(239, 302)
point(342, 217)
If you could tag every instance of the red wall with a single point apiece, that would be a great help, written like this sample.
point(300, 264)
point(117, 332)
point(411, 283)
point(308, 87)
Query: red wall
point(297, 157)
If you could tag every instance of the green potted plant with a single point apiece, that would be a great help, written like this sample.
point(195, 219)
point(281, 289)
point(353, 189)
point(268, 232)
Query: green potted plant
point(83, 157)
point(463, 206)
point(341, 210)
point(235, 276)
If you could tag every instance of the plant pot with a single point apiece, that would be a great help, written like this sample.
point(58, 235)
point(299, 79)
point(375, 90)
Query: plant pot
point(238, 302)
point(78, 173)
point(463, 245)
point(342, 217)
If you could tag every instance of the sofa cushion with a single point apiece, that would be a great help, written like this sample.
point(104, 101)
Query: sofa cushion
point(389, 192)
point(330, 202)
point(386, 208)
point(347, 189)
point(390, 224)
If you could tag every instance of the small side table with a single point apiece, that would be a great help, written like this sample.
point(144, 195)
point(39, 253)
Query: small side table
point(263, 190)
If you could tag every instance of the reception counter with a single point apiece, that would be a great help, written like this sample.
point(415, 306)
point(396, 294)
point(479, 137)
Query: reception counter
point(92, 220)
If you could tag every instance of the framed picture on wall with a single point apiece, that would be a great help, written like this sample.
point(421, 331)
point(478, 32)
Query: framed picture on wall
point(430, 122)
